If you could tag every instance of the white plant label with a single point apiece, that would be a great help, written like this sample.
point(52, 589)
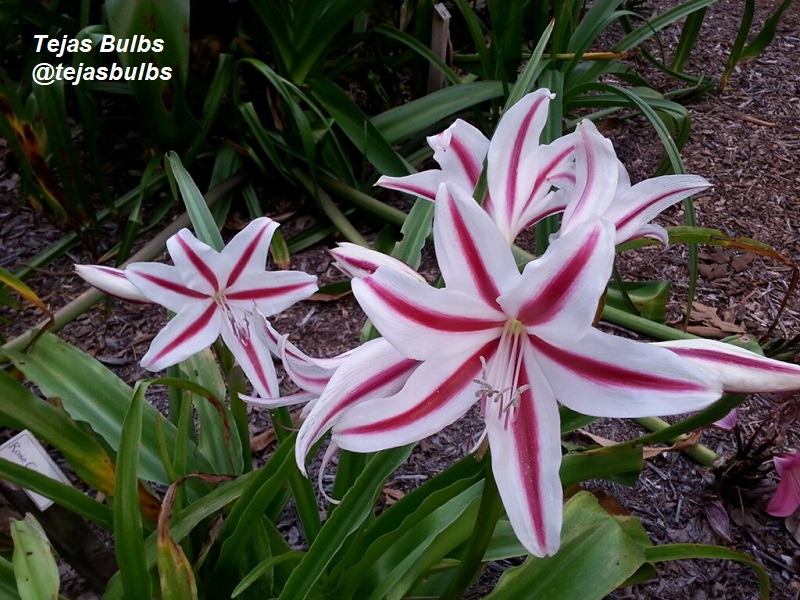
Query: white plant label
point(25, 450)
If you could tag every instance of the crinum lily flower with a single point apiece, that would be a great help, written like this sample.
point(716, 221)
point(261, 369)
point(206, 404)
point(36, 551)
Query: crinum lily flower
point(214, 293)
point(521, 172)
point(516, 343)
point(603, 189)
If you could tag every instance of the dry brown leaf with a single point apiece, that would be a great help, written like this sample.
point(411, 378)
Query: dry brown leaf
point(392, 495)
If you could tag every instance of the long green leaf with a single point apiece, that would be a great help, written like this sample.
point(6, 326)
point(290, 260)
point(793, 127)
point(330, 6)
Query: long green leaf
point(361, 131)
point(218, 438)
point(92, 393)
point(406, 120)
point(166, 117)
point(597, 554)
point(533, 68)
point(129, 540)
point(420, 49)
point(8, 583)
point(35, 566)
point(60, 493)
point(689, 551)
point(355, 508)
point(21, 409)
point(205, 228)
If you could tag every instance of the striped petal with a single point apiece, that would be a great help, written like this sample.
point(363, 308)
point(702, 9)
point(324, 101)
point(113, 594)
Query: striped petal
point(596, 176)
point(271, 291)
point(512, 158)
point(739, 370)
point(193, 329)
point(247, 251)
point(112, 282)
point(437, 394)
point(608, 376)
point(555, 166)
point(636, 206)
point(356, 261)
point(374, 370)
point(473, 255)
point(423, 184)
point(423, 322)
point(557, 295)
point(253, 356)
point(460, 151)
point(198, 264)
point(162, 284)
point(526, 457)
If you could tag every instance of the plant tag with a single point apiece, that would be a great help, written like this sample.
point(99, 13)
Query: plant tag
point(25, 450)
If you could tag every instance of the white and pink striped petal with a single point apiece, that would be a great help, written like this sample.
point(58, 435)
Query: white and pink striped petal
point(437, 394)
point(191, 330)
point(373, 370)
point(607, 376)
point(596, 177)
point(420, 321)
point(526, 457)
point(470, 249)
point(112, 282)
point(558, 294)
point(739, 370)
point(356, 261)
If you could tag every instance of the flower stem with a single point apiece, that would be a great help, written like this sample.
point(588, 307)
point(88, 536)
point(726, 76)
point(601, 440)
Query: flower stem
point(702, 454)
point(489, 512)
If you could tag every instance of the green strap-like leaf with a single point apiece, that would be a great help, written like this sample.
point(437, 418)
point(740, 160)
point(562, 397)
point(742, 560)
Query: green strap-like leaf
point(205, 228)
point(35, 566)
point(129, 536)
point(92, 393)
point(355, 508)
point(597, 554)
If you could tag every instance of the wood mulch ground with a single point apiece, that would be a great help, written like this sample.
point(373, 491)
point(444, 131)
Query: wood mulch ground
point(746, 139)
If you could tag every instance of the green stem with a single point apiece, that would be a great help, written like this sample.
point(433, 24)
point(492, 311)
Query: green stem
point(358, 198)
point(304, 497)
point(236, 384)
point(702, 454)
point(644, 326)
point(489, 512)
point(705, 417)
point(330, 209)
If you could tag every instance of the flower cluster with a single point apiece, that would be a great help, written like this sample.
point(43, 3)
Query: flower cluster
point(517, 343)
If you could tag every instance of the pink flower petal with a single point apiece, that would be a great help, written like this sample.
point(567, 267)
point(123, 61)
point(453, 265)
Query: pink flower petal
point(609, 376)
point(739, 370)
point(787, 497)
point(112, 282)
point(526, 457)
point(470, 249)
point(373, 370)
point(191, 330)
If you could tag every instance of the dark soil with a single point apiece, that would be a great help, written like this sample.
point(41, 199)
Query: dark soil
point(746, 139)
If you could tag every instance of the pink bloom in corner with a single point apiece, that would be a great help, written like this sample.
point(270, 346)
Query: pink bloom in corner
point(214, 293)
point(787, 497)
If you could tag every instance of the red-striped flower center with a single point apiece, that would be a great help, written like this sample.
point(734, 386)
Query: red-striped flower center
point(499, 381)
